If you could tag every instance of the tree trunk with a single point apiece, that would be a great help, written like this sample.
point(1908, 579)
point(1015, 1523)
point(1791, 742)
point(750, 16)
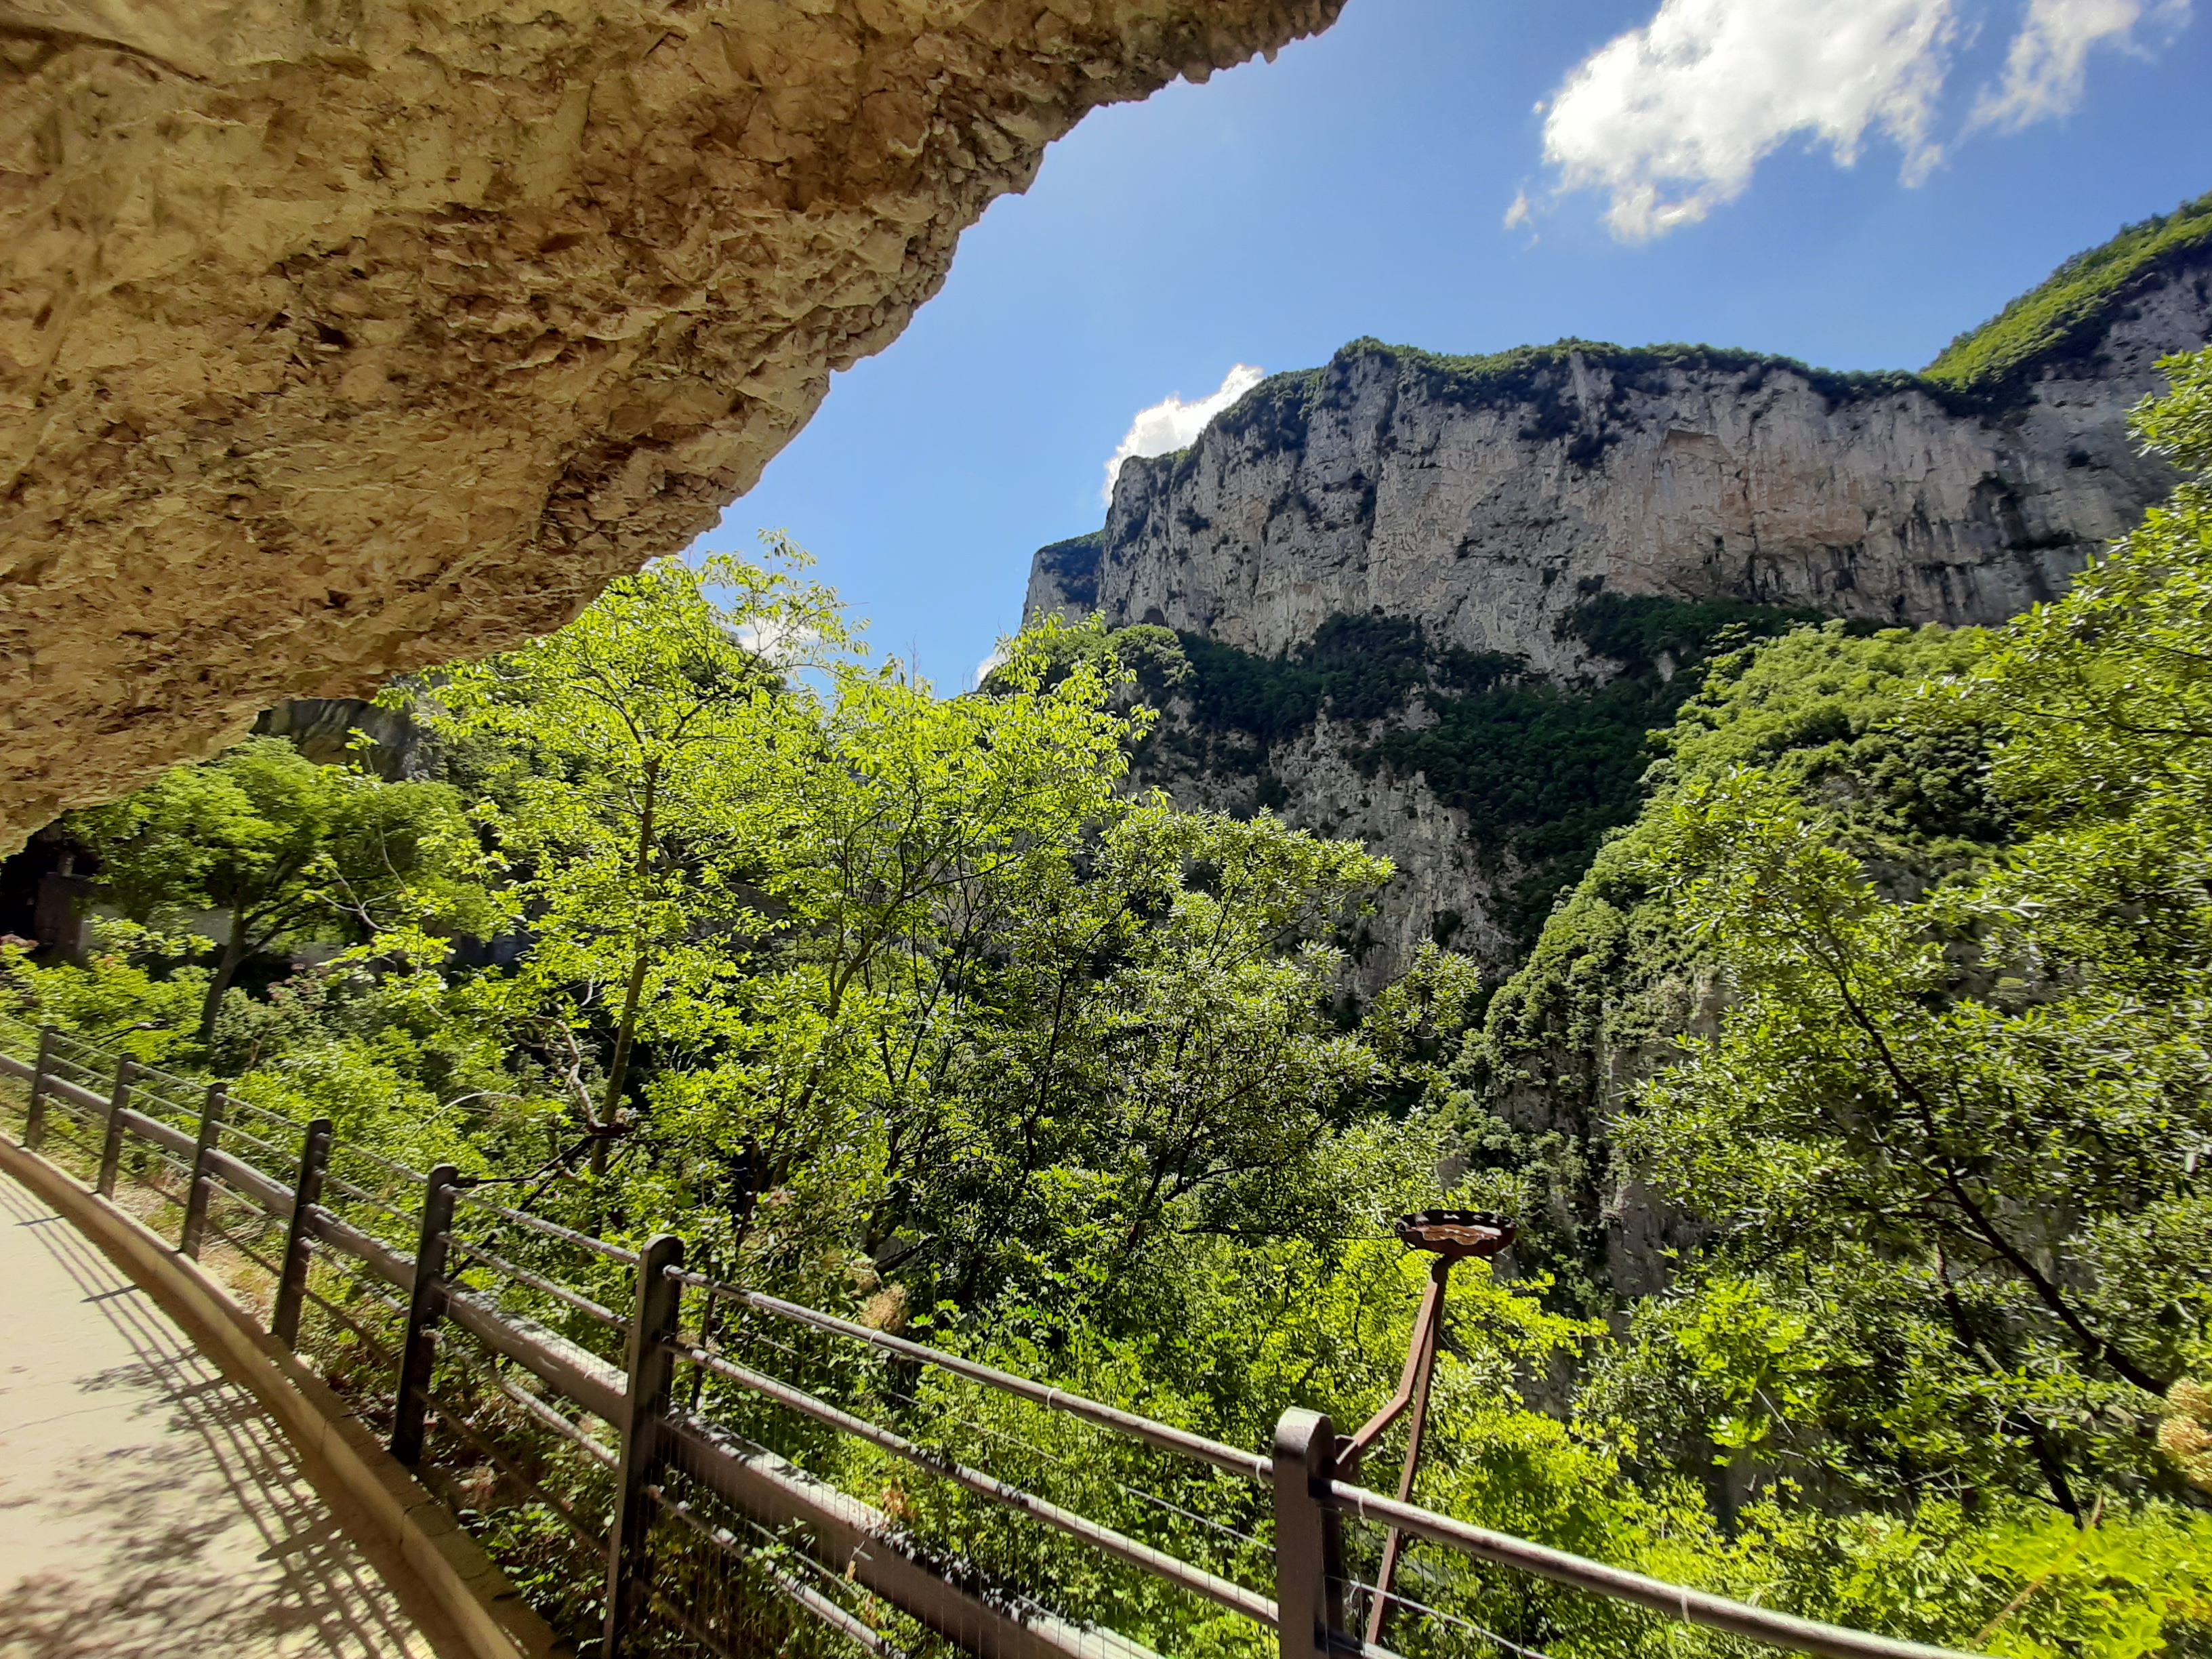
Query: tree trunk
point(618, 1068)
point(225, 970)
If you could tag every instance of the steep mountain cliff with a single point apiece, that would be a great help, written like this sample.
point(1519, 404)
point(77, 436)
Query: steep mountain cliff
point(1434, 601)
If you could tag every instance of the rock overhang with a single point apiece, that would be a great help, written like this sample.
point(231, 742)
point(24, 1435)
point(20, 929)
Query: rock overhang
point(335, 340)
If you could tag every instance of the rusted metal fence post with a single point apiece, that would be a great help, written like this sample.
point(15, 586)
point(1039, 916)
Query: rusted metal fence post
point(111, 1150)
point(426, 1306)
point(1308, 1543)
point(203, 1187)
point(652, 1368)
point(35, 1116)
point(298, 1240)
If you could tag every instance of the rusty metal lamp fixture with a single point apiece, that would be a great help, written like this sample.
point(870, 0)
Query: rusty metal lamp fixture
point(1450, 1235)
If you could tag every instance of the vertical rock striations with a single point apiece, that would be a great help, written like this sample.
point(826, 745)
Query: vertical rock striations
point(1486, 497)
point(1552, 533)
point(339, 338)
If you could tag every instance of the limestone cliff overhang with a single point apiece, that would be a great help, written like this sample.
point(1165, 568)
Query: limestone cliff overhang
point(341, 336)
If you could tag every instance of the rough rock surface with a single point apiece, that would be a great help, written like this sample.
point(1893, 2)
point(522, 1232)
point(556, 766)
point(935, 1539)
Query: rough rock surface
point(338, 337)
point(1487, 498)
point(1445, 883)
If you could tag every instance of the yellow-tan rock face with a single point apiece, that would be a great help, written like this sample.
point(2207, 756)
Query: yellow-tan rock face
point(340, 337)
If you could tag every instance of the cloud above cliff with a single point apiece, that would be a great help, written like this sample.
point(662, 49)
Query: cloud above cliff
point(1670, 120)
point(2047, 67)
point(1171, 424)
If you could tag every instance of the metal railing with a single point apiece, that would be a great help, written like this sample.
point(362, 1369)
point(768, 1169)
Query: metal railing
point(704, 1523)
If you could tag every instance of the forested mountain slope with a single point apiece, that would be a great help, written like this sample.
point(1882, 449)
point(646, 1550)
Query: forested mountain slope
point(1401, 580)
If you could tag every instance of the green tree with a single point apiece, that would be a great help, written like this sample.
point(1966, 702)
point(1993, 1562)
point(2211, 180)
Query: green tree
point(1004, 1020)
point(1951, 1137)
point(633, 741)
point(281, 850)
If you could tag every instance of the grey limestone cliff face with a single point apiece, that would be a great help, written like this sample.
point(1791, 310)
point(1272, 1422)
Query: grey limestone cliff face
point(1486, 497)
point(1445, 883)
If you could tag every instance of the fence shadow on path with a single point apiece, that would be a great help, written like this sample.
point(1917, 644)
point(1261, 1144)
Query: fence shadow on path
point(148, 1507)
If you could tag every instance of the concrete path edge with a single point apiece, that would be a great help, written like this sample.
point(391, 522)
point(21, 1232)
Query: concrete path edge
point(369, 1491)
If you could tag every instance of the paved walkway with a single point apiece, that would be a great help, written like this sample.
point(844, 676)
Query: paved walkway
point(148, 1510)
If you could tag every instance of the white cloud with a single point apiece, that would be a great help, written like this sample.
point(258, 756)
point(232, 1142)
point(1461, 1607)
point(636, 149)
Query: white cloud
point(997, 658)
point(1669, 119)
point(1171, 424)
point(2048, 63)
point(781, 644)
point(1518, 214)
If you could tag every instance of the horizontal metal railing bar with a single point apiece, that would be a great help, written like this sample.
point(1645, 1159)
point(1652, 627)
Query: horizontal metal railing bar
point(1252, 1466)
point(576, 1374)
point(1781, 1630)
point(860, 1542)
point(1253, 1606)
point(381, 1162)
point(245, 1249)
point(255, 1141)
point(552, 1229)
point(365, 1287)
point(388, 1264)
point(140, 1068)
point(73, 1112)
point(187, 1109)
point(272, 1195)
point(91, 1100)
point(153, 1131)
point(265, 1114)
point(362, 1195)
point(382, 1354)
point(176, 1164)
point(534, 1407)
point(591, 1384)
point(581, 1303)
point(807, 1597)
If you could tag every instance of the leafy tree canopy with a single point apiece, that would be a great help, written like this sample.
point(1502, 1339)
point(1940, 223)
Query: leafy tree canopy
point(276, 850)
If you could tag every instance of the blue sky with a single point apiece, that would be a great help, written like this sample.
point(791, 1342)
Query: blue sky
point(1360, 185)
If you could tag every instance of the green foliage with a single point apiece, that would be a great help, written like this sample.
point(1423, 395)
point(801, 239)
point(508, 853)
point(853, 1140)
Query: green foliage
point(622, 822)
point(2070, 307)
point(2016, 1583)
point(1884, 1017)
point(1543, 770)
point(1548, 770)
point(139, 994)
point(1641, 630)
point(1940, 1103)
point(281, 851)
point(1354, 668)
